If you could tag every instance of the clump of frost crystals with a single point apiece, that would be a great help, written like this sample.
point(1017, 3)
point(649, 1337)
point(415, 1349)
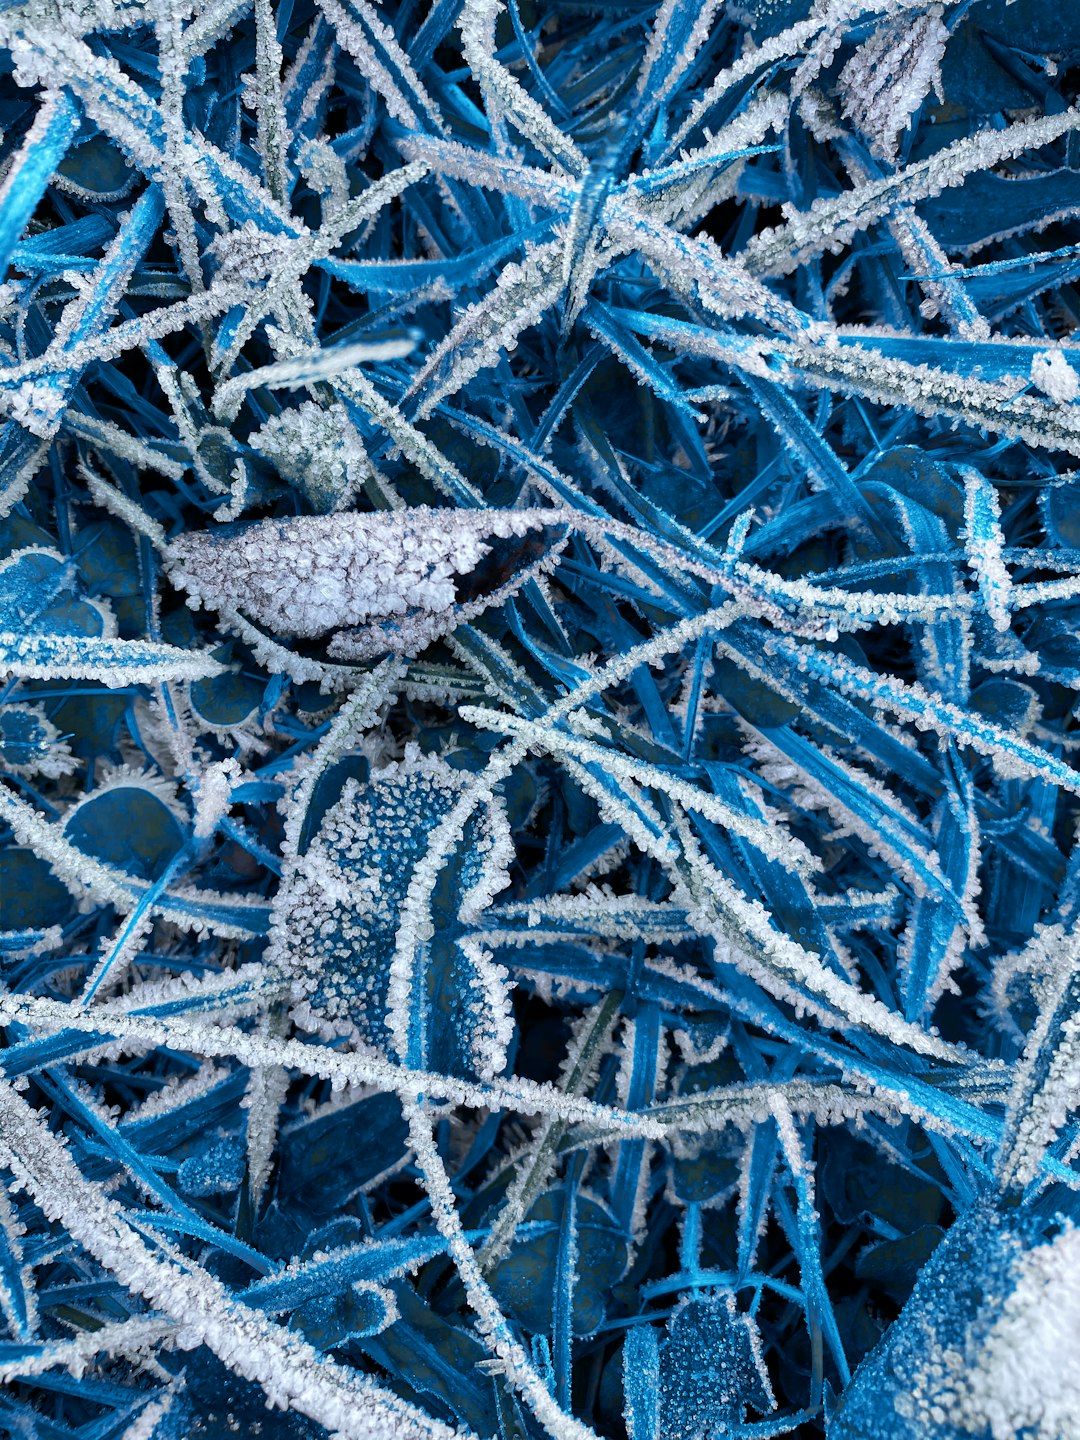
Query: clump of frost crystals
point(407, 576)
point(317, 449)
point(890, 75)
point(1054, 376)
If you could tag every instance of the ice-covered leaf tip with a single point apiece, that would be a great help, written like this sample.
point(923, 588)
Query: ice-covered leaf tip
point(393, 580)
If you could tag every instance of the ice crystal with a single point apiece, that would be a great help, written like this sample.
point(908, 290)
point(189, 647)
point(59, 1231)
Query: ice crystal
point(539, 605)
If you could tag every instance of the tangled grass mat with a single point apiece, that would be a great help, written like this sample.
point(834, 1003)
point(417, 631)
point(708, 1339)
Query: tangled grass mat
point(539, 650)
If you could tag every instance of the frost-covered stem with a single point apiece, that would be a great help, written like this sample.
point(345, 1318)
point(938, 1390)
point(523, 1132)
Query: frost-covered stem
point(110, 498)
point(752, 1103)
point(743, 930)
point(402, 100)
point(81, 873)
point(736, 922)
point(752, 586)
point(18, 1299)
point(269, 112)
point(56, 122)
point(809, 1255)
point(492, 1324)
point(108, 1023)
point(985, 543)
point(535, 1168)
point(1047, 1083)
point(648, 652)
point(213, 21)
point(118, 957)
point(944, 293)
point(111, 440)
point(767, 836)
point(652, 89)
point(477, 26)
point(433, 465)
point(264, 1096)
point(302, 370)
point(171, 175)
point(280, 277)
point(131, 334)
point(928, 711)
point(740, 925)
point(835, 220)
point(133, 1338)
point(356, 714)
point(145, 1425)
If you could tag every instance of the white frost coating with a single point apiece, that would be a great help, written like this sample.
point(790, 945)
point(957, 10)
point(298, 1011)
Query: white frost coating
point(265, 1094)
point(114, 663)
point(1025, 1376)
point(293, 1374)
point(822, 28)
point(145, 1424)
point(1047, 1078)
point(928, 389)
point(889, 77)
point(337, 910)
point(317, 448)
point(1050, 1106)
point(710, 1111)
point(738, 925)
point(683, 191)
point(833, 221)
point(504, 92)
point(340, 1067)
point(356, 715)
point(488, 329)
point(36, 407)
point(214, 795)
point(18, 1303)
point(493, 1017)
point(307, 576)
point(654, 86)
point(500, 1340)
point(305, 368)
point(1054, 376)
point(314, 574)
point(768, 835)
point(985, 543)
point(45, 754)
point(273, 134)
point(83, 875)
point(352, 35)
point(136, 1337)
